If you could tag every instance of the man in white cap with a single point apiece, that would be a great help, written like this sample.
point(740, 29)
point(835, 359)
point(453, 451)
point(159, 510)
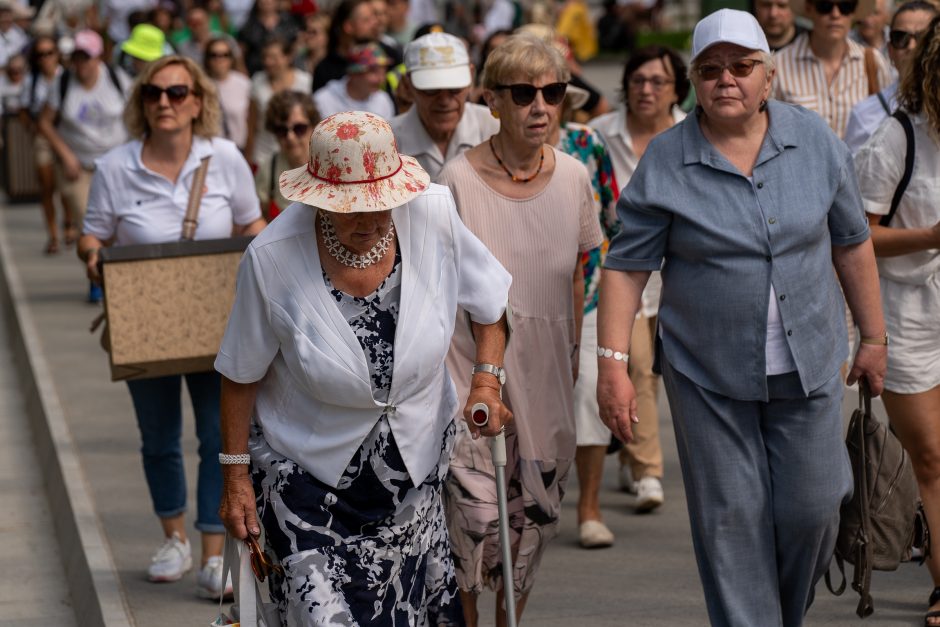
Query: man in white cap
point(824, 70)
point(441, 124)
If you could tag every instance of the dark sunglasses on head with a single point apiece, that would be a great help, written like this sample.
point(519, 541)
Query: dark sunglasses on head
point(901, 39)
point(174, 93)
point(299, 129)
point(738, 69)
point(261, 564)
point(523, 93)
point(220, 55)
point(825, 7)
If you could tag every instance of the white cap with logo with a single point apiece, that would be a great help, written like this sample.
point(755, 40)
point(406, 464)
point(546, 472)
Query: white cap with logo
point(438, 61)
point(728, 26)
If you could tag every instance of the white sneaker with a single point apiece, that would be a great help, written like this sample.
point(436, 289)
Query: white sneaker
point(209, 580)
point(171, 560)
point(627, 484)
point(649, 494)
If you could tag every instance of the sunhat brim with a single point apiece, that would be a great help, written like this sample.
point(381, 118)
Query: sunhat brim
point(141, 52)
point(576, 96)
point(382, 194)
point(454, 77)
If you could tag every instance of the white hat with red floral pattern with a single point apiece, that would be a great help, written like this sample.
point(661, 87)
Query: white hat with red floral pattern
point(354, 167)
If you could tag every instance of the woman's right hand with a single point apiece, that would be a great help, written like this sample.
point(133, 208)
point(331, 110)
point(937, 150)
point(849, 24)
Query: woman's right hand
point(616, 399)
point(71, 166)
point(237, 509)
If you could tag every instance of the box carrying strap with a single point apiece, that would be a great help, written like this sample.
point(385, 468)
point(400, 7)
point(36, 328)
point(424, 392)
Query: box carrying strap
point(191, 220)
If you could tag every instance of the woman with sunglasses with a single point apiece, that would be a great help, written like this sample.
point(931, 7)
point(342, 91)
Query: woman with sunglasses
point(233, 86)
point(909, 265)
point(907, 25)
point(291, 117)
point(44, 61)
point(139, 195)
point(746, 206)
point(533, 207)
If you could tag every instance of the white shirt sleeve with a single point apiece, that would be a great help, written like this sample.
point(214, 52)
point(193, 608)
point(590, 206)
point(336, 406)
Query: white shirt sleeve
point(482, 282)
point(100, 217)
point(879, 165)
point(249, 344)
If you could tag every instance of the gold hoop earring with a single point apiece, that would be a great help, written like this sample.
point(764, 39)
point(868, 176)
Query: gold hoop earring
point(494, 113)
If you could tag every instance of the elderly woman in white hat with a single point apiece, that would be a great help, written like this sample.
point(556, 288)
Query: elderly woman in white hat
point(337, 410)
point(749, 203)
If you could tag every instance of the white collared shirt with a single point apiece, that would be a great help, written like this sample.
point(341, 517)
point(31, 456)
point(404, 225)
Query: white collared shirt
point(315, 401)
point(135, 205)
point(476, 125)
point(868, 115)
point(613, 128)
point(334, 98)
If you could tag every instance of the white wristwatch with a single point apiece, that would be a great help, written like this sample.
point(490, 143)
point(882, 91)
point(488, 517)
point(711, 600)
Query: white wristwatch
point(496, 371)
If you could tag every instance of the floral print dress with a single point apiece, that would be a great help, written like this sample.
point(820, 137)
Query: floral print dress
point(374, 550)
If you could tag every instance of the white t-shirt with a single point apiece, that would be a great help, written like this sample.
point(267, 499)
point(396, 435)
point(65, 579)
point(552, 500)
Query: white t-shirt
point(135, 205)
point(91, 121)
point(261, 92)
point(879, 165)
point(234, 98)
point(333, 98)
point(12, 42)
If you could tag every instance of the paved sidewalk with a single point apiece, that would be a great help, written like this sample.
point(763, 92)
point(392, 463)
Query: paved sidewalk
point(648, 578)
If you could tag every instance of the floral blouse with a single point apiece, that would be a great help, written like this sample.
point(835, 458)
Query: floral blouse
point(587, 145)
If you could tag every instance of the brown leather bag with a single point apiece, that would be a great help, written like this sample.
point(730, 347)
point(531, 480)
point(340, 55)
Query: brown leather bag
point(884, 520)
point(871, 71)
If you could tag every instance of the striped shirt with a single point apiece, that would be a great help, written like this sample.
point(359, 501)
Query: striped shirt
point(801, 79)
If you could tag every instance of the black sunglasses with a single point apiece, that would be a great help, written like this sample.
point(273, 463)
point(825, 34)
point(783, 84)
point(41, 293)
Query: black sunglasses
point(738, 69)
point(42, 54)
point(523, 94)
point(174, 93)
point(219, 55)
point(298, 129)
point(901, 39)
point(825, 7)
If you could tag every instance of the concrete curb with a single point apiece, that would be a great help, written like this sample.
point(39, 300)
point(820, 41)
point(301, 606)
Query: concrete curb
point(97, 596)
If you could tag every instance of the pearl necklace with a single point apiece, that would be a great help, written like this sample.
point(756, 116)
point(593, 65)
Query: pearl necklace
point(345, 256)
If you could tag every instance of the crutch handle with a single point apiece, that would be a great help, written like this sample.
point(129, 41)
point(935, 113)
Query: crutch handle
point(480, 414)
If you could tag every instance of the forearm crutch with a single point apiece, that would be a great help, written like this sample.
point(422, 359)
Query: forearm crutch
point(480, 414)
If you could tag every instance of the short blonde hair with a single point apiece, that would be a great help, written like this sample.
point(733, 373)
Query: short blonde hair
point(206, 124)
point(523, 55)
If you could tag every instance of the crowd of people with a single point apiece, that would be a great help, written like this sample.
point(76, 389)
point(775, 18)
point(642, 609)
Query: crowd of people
point(437, 190)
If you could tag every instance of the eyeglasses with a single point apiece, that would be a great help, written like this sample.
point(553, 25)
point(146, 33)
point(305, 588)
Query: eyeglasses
point(657, 82)
point(738, 69)
point(434, 93)
point(299, 129)
point(261, 564)
point(901, 39)
point(523, 93)
point(174, 93)
point(42, 54)
point(219, 55)
point(825, 7)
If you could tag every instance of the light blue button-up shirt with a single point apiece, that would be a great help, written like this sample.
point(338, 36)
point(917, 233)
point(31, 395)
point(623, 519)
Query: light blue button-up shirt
point(724, 239)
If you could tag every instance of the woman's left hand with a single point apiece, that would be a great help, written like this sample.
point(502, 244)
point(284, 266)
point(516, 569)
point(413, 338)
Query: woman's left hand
point(871, 362)
point(499, 413)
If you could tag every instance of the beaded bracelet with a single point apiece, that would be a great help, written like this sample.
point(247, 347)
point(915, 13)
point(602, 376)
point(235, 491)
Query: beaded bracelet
point(241, 458)
point(609, 353)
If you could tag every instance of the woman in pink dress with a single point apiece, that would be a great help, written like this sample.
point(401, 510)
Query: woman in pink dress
point(533, 207)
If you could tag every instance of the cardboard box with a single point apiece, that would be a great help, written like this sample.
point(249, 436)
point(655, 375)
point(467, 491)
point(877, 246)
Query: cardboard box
point(167, 305)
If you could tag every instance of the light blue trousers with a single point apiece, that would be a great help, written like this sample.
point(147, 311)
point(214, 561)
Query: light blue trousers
point(764, 483)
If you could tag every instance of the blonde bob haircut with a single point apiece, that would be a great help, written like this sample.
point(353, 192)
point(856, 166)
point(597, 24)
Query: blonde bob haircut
point(206, 124)
point(523, 56)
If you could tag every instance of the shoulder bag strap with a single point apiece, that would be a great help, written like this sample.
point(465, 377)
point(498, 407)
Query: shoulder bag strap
point(190, 222)
point(884, 102)
point(908, 127)
point(871, 71)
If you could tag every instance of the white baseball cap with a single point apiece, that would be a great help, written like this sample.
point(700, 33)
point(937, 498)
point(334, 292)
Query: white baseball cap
point(728, 26)
point(438, 61)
